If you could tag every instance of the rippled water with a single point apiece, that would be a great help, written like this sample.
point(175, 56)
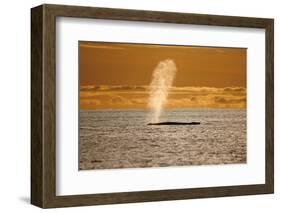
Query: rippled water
point(122, 139)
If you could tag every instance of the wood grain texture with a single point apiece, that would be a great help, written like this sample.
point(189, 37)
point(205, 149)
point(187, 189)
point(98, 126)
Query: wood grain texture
point(269, 117)
point(36, 106)
point(43, 105)
point(43, 155)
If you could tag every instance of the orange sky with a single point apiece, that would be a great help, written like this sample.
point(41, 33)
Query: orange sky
point(124, 71)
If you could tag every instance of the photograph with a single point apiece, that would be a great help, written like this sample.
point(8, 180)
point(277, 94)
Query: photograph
point(169, 105)
point(152, 105)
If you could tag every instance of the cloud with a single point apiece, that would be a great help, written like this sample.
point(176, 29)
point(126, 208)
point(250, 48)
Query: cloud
point(113, 88)
point(172, 89)
point(90, 102)
point(193, 98)
point(132, 96)
point(234, 89)
point(89, 88)
point(89, 45)
point(224, 100)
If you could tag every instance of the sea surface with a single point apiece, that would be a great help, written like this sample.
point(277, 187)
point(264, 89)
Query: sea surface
point(122, 139)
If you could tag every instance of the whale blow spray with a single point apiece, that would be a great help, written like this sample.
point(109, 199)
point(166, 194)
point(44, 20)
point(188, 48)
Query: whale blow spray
point(162, 80)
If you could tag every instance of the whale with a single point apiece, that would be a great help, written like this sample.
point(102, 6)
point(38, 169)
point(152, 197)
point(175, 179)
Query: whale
point(175, 123)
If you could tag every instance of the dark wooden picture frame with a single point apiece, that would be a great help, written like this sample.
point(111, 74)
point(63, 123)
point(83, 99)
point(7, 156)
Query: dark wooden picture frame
point(43, 105)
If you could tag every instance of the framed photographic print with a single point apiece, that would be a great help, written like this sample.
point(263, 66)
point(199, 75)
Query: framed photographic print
point(136, 106)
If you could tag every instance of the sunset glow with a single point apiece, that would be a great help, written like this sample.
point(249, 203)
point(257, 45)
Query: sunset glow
point(116, 76)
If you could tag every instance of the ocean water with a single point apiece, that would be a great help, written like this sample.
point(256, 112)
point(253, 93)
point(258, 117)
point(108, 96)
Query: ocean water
point(122, 139)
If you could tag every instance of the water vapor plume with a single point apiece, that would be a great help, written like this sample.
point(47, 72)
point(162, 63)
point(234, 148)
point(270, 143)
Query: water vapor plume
point(162, 80)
